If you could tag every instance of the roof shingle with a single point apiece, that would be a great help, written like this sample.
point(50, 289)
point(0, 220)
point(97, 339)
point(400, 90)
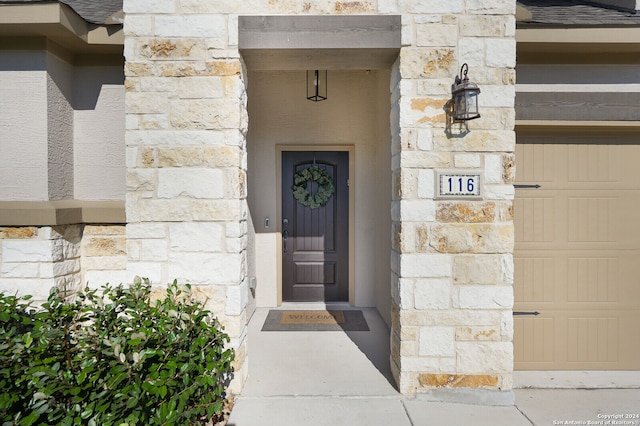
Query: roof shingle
point(93, 11)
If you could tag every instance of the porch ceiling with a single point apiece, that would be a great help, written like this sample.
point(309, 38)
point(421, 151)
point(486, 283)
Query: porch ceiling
point(321, 42)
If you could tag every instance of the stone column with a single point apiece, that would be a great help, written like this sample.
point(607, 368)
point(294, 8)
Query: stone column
point(33, 260)
point(452, 265)
point(186, 162)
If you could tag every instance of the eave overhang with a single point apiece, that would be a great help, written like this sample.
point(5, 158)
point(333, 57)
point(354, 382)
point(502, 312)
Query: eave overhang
point(59, 23)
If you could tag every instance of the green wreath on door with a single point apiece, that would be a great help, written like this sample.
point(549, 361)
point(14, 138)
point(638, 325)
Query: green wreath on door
point(325, 187)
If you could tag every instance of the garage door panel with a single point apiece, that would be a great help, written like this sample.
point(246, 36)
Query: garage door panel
point(577, 256)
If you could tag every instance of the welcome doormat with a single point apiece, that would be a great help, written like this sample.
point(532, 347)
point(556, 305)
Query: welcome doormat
point(316, 320)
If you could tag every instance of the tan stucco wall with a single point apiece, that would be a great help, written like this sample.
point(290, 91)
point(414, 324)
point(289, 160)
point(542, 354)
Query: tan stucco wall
point(62, 127)
point(356, 114)
point(23, 125)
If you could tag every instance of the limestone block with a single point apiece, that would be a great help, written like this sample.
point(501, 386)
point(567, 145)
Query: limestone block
point(508, 168)
point(200, 68)
point(152, 250)
point(436, 35)
point(39, 289)
point(498, 96)
point(236, 244)
point(486, 381)
point(154, 84)
point(425, 139)
point(205, 114)
point(171, 138)
point(104, 246)
point(417, 210)
point(437, 88)
point(388, 6)
point(204, 268)
point(145, 230)
point(493, 168)
point(485, 297)
point(27, 251)
point(409, 349)
point(353, 7)
point(431, 7)
point(494, 7)
point(196, 236)
point(146, 102)
point(421, 363)
point(500, 52)
point(18, 232)
point(432, 293)
point(201, 87)
point(138, 26)
point(152, 210)
point(197, 26)
point(467, 160)
point(499, 192)
point(237, 298)
point(483, 140)
point(506, 326)
point(426, 183)
point(428, 19)
point(105, 263)
point(148, 6)
point(198, 156)
point(472, 238)
point(478, 269)
point(461, 317)
point(478, 334)
point(60, 269)
point(150, 270)
point(21, 270)
point(135, 69)
point(437, 341)
point(159, 49)
point(216, 210)
point(484, 357)
point(425, 159)
point(141, 180)
point(484, 25)
point(507, 267)
point(405, 289)
point(422, 238)
point(466, 212)
point(425, 62)
point(104, 230)
point(425, 265)
point(471, 50)
point(190, 182)
point(422, 111)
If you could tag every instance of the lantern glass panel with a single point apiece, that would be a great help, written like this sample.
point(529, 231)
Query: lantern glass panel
point(317, 85)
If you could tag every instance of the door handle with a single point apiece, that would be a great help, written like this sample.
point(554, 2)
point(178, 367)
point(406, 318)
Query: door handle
point(285, 234)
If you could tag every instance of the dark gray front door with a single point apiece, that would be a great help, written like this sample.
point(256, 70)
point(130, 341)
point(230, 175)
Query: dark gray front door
point(315, 241)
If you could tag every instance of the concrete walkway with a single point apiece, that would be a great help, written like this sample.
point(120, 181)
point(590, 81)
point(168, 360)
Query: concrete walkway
point(343, 378)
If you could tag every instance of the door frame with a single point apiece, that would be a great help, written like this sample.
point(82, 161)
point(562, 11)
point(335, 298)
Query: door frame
point(350, 149)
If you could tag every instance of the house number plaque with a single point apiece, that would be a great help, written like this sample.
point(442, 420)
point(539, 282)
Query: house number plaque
point(459, 184)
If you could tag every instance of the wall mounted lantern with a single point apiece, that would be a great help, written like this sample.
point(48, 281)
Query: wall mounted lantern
point(465, 97)
point(316, 85)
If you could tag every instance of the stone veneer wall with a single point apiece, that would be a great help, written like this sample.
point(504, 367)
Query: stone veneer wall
point(33, 260)
point(186, 165)
point(452, 261)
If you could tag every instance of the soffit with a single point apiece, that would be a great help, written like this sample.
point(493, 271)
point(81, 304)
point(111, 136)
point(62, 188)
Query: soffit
point(60, 24)
point(326, 42)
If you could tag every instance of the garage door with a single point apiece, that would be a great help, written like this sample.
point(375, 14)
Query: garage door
point(577, 256)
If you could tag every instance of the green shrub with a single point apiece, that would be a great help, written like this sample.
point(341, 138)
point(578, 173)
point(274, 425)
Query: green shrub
point(111, 357)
